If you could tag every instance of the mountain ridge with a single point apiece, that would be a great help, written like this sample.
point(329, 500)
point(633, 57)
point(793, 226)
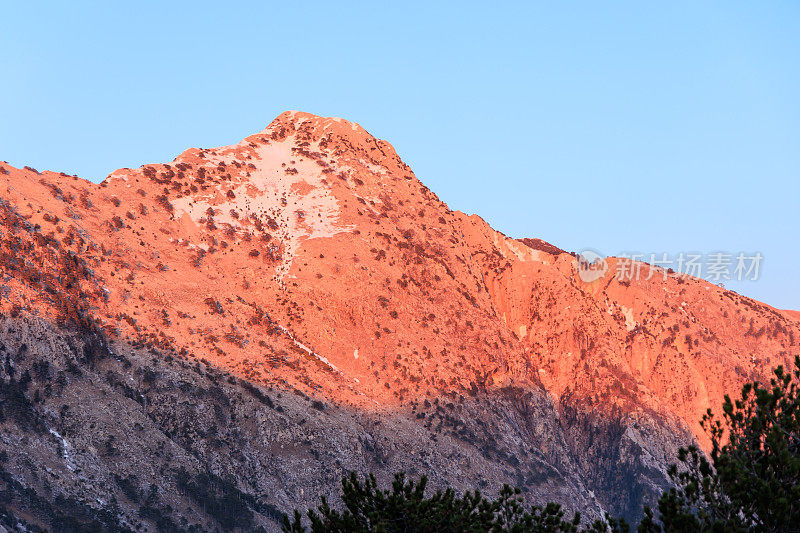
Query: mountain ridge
point(308, 257)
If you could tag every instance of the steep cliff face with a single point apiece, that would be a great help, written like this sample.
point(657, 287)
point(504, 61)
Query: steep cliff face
point(666, 343)
point(310, 260)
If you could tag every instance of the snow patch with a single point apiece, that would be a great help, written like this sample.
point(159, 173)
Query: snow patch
point(630, 323)
point(302, 206)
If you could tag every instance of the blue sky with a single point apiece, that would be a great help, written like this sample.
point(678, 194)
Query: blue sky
point(617, 126)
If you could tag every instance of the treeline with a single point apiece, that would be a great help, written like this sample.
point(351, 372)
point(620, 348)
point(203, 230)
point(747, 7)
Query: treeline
point(750, 482)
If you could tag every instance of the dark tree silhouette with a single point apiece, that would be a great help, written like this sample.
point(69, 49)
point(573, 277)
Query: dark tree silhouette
point(752, 482)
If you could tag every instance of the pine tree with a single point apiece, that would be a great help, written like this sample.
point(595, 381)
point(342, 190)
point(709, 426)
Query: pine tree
point(752, 482)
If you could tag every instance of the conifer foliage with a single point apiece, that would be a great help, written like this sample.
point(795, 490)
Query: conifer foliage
point(750, 482)
point(405, 508)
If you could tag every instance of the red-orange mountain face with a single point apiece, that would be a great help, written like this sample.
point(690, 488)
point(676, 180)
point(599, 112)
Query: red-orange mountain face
point(309, 257)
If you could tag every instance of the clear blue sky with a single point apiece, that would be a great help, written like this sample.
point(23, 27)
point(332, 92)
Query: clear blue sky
point(618, 126)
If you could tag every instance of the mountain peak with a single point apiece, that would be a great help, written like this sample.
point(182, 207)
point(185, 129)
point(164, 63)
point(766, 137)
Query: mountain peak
point(309, 128)
point(298, 118)
point(324, 239)
point(308, 258)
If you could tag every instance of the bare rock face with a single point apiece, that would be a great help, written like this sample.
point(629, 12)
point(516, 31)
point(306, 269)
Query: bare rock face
point(211, 342)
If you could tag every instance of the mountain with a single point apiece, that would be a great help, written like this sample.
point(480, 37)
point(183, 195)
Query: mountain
point(213, 341)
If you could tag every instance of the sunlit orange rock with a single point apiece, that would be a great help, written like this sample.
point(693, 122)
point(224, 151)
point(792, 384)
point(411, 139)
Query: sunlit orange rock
point(309, 256)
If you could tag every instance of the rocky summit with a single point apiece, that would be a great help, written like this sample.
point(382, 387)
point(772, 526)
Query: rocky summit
point(208, 343)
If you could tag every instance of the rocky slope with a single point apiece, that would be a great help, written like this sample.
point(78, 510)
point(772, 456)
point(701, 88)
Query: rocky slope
point(263, 317)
